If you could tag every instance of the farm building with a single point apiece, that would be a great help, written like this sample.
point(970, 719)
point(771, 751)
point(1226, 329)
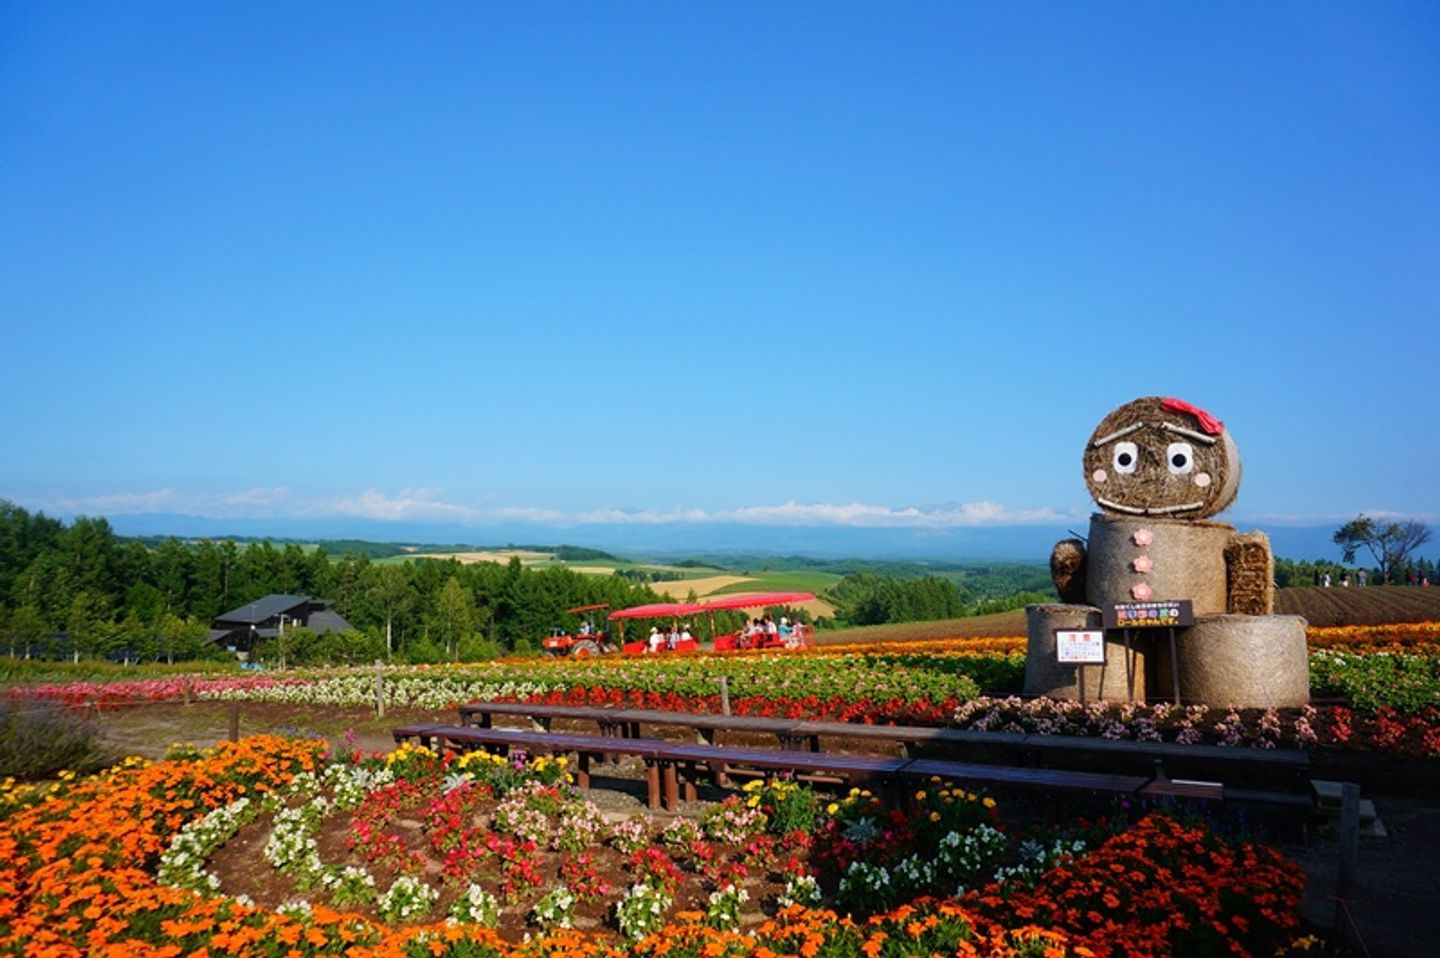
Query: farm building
point(239, 629)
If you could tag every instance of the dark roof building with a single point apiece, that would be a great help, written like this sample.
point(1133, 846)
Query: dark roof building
point(240, 628)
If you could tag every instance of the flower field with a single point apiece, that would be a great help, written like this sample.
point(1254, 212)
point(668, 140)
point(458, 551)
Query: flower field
point(1377, 688)
point(470, 856)
point(273, 846)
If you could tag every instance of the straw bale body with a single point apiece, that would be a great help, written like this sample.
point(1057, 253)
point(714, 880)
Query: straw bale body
point(1044, 675)
point(1159, 468)
point(1255, 661)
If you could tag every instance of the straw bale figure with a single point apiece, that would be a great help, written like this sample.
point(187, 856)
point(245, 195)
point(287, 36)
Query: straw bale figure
point(1159, 469)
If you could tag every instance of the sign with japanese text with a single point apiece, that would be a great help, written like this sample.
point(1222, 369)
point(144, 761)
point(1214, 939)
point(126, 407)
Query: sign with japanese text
point(1154, 614)
point(1080, 647)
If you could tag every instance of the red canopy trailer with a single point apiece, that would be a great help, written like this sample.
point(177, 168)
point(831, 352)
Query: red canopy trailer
point(673, 611)
point(798, 635)
point(580, 642)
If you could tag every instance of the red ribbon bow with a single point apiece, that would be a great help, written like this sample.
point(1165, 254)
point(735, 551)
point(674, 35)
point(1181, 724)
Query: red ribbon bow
point(1208, 423)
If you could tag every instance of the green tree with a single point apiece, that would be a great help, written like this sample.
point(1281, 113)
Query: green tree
point(23, 628)
point(180, 638)
point(452, 615)
point(1389, 543)
point(87, 624)
point(391, 597)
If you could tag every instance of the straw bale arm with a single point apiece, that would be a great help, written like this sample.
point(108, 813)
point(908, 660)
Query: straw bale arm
point(1067, 568)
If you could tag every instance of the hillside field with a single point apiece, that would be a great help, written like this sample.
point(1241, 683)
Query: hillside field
point(1385, 605)
point(1373, 605)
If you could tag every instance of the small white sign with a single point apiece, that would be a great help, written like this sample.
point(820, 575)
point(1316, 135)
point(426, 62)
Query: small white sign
point(1080, 648)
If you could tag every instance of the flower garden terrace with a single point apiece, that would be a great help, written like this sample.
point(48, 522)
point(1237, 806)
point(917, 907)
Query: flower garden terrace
point(1375, 687)
point(473, 856)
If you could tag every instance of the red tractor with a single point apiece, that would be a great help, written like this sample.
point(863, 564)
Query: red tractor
point(583, 640)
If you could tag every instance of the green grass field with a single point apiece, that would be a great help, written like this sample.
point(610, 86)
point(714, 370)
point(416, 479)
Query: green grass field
point(814, 582)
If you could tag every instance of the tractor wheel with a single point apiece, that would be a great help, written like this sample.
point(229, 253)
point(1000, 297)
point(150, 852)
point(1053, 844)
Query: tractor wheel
point(585, 649)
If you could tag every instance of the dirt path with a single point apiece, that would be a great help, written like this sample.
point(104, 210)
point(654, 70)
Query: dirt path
point(1395, 907)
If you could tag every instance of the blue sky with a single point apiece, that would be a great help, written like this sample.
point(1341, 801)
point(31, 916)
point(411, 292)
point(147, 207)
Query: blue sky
point(814, 263)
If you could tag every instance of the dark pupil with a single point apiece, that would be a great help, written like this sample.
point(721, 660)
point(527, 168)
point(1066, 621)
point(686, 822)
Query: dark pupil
point(1124, 459)
point(1178, 459)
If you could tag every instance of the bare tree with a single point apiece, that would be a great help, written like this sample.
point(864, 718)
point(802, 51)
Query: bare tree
point(1390, 544)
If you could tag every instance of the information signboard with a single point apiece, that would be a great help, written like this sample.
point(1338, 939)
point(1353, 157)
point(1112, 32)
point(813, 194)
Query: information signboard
point(1080, 647)
point(1154, 614)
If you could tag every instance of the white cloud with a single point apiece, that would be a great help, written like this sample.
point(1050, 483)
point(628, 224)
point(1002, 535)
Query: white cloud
point(409, 504)
point(429, 505)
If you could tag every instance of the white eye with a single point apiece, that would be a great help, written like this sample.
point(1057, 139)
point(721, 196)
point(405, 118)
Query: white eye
point(1180, 458)
point(1127, 457)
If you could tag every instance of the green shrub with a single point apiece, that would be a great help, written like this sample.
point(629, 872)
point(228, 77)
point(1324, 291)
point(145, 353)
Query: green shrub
point(40, 739)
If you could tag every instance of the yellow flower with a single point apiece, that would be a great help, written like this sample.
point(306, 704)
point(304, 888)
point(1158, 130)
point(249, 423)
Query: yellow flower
point(988, 802)
point(832, 808)
point(920, 796)
point(934, 816)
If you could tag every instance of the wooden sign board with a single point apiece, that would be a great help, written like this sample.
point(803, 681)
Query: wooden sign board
point(1154, 614)
point(1080, 647)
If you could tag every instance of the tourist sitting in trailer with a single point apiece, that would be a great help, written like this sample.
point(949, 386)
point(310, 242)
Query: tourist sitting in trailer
point(656, 642)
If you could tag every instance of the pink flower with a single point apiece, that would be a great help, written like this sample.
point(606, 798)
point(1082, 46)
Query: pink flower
point(1143, 564)
point(1141, 592)
point(1143, 537)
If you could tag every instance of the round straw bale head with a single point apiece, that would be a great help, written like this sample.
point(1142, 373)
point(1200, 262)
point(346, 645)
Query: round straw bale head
point(1044, 675)
point(1250, 661)
point(1157, 457)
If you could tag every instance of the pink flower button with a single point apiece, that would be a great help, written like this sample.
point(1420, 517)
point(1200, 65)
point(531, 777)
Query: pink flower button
point(1143, 537)
point(1143, 564)
point(1141, 592)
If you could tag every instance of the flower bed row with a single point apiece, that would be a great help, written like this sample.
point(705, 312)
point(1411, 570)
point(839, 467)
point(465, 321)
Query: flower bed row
point(80, 872)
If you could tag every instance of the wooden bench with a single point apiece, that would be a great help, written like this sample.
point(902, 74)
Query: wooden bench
point(628, 722)
point(906, 736)
point(682, 766)
point(1252, 775)
point(482, 714)
point(1042, 779)
point(1276, 777)
point(586, 748)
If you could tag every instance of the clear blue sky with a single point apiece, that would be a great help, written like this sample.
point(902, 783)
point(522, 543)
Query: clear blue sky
point(819, 261)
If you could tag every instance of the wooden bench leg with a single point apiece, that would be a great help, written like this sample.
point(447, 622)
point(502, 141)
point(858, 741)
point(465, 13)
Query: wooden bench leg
point(652, 785)
point(582, 770)
point(671, 798)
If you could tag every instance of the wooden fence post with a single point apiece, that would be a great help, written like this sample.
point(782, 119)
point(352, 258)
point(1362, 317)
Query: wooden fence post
point(724, 695)
point(379, 690)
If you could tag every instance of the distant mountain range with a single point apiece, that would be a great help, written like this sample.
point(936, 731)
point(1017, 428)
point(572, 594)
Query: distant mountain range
point(977, 543)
